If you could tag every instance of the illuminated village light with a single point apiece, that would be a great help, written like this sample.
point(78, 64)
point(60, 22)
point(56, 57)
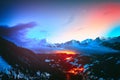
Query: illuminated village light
point(76, 70)
point(68, 58)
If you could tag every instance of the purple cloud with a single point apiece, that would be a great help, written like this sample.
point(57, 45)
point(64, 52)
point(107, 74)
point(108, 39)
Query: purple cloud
point(15, 33)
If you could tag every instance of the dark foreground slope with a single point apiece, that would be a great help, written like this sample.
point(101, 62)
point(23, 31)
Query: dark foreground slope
point(17, 56)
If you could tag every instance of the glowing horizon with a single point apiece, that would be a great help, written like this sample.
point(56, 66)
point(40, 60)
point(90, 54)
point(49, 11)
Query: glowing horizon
point(64, 52)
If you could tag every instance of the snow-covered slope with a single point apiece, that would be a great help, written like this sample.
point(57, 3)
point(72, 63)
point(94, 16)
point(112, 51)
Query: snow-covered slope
point(4, 66)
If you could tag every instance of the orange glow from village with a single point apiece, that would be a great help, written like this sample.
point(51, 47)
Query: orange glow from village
point(76, 70)
point(64, 52)
point(68, 58)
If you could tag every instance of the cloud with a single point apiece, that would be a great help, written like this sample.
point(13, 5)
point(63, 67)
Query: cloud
point(15, 32)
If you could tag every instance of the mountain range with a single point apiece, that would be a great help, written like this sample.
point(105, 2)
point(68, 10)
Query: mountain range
point(27, 61)
point(88, 46)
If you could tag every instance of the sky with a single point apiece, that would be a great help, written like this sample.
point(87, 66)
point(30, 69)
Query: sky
point(59, 21)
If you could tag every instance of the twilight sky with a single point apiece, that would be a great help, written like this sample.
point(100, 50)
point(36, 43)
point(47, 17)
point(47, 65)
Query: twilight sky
point(59, 21)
